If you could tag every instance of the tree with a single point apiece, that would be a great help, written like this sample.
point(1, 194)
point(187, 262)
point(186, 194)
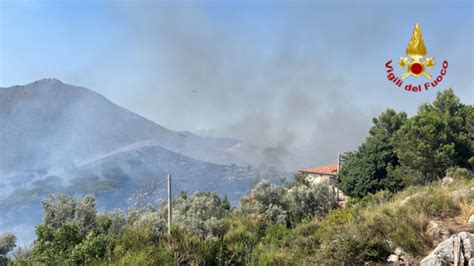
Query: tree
point(266, 200)
point(59, 210)
point(86, 213)
point(440, 136)
point(225, 204)
point(7, 244)
point(387, 123)
point(287, 206)
point(201, 213)
point(366, 170)
point(309, 202)
point(241, 238)
point(71, 233)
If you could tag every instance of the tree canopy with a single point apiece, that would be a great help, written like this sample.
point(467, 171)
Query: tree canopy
point(401, 151)
point(366, 170)
point(440, 136)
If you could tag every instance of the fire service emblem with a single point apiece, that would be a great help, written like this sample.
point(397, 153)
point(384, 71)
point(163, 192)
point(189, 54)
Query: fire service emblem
point(416, 65)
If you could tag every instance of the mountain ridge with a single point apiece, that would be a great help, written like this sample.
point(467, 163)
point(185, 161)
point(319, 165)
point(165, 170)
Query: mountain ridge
point(67, 111)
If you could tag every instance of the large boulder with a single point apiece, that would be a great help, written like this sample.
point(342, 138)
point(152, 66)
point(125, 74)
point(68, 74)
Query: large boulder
point(443, 254)
point(446, 181)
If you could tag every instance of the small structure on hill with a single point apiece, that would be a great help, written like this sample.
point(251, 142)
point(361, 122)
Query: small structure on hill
point(325, 175)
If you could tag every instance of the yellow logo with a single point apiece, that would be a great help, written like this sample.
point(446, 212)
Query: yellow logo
point(416, 50)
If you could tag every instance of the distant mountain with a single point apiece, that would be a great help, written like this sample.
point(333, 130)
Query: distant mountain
point(145, 161)
point(48, 124)
point(59, 138)
point(150, 164)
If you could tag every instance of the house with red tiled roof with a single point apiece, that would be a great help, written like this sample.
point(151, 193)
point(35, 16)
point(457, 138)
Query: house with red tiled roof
point(322, 174)
point(325, 175)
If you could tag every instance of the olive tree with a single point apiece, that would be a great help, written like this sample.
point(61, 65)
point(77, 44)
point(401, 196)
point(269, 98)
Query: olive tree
point(201, 213)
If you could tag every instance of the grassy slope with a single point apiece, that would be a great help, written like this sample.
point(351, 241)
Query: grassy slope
point(371, 229)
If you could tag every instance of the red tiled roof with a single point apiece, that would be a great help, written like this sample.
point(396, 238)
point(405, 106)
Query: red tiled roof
point(326, 170)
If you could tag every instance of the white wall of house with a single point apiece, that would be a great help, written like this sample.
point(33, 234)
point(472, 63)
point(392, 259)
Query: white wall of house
point(330, 180)
point(321, 178)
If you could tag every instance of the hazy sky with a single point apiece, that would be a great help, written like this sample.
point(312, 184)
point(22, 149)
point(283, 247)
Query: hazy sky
point(308, 76)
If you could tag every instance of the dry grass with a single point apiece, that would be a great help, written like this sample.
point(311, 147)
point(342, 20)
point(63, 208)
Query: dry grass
point(404, 218)
point(467, 209)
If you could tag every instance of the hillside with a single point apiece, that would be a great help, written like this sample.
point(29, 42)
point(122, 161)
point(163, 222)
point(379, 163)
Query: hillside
point(273, 225)
point(48, 124)
point(60, 138)
point(145, 163)
point(411, 200)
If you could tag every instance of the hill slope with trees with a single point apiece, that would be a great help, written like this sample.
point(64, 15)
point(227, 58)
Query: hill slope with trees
point(399, 206)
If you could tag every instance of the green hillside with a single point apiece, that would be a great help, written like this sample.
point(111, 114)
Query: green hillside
point(400, 203)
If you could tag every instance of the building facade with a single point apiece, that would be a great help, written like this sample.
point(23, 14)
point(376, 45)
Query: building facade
point(325, 175)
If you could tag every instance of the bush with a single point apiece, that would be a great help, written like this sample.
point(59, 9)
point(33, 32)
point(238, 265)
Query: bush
point(459, 173)
point(148, 256)
point(183, 246)
point(55, 245)
point(370, 200)
point(339, 241)
point(93, 248)
point(434, 203)
point(309, 202)
point(240, 238)
point(201, 213)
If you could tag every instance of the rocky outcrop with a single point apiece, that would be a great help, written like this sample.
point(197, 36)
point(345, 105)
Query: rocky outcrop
point(457, 250)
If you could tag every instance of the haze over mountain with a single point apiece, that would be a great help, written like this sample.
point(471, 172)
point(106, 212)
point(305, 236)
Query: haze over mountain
point(49, 125)
point(60, 138)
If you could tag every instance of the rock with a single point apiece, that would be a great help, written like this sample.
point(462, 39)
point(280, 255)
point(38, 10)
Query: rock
point(446, 181)
point(444, 253)
point(468, 244)
point(471, 219)
point(432, 261)
point(403, 256)
point(399, 251)
point(445, 233)
point(393, 258)
point(407, 259)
